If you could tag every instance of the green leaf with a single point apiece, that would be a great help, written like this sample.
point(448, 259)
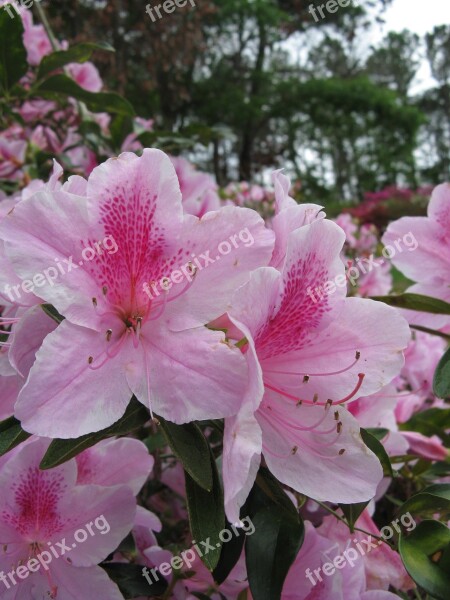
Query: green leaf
point(189, 445)
point(433, 499)
point(416, 302)
point(96, 102)
point(274, 545)
point(79, 53)
point(131, 581)
point(231, 552)
point(206, 514)
point(421, 551)
point(120, 127)
point(13, 56)
point(273, 493)
point(378, 432)
point(352, 512)
point(52, 312)
point(11, 435)
point(60, 451)
point(434, 421)
point(441, 381)
point(378, 449)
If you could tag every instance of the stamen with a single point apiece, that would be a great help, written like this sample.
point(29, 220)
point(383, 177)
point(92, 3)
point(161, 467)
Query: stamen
point(355, 391)
point(315, 399)
point(307, 376)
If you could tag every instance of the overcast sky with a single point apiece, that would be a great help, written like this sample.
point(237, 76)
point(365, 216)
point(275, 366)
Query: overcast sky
point(419, 17)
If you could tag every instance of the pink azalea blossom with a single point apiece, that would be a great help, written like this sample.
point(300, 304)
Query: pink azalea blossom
point(35, 39)
point(382, 565)
point(308, 357)
point(198, 190)
point(12, 157)
point(345, 222)
point(430, 448)
point(306, 580)
point(378, 410)
point(118, 339)
point(203, 582)
point(86, 75)
point(429, 264)
point(422, 356)
point(109, 463)
point(42, 509)
point(377, 282)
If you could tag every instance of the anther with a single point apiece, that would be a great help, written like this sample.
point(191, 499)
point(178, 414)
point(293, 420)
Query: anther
point(336, 416)
point(94, 301)
point(90, 360)
point(341, 452)
point(306, 379)
point(358, 355)
point(339, 427)
point(104, 290)
point(108, 335)
point(299, 403)
point(329, 403)
point(294, 450)
point(315, 398)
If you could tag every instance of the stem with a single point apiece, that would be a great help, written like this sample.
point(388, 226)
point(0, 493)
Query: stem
point(431, 332)
point(338, 516)
point(47, 27)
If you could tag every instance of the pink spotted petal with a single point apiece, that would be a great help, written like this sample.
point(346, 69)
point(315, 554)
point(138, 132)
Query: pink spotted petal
point(309, 461)
point(242, 446)
point(248, 245)
point(108, 512)
point(191, 374)
point(131, 466)
point(64, 387)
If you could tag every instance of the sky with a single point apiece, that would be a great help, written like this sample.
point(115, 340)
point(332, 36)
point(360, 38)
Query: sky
point(419, 17)
point(416, 15)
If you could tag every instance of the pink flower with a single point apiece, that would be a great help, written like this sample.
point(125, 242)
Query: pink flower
point(377, 282)
point(114, 462)
point(378, 410)
point(203, 582)
point(120, 336)
point(429, 263)
point(307, 357)
point(42, 514)
point(198, 190)
point(12, 157)
point(430, 448)
point(35, 40)
point(382, 565)
point(86, 75)
point(345, 221)
point(307, 580)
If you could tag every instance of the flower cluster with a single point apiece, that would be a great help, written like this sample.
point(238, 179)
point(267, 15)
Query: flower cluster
point(179, 363)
